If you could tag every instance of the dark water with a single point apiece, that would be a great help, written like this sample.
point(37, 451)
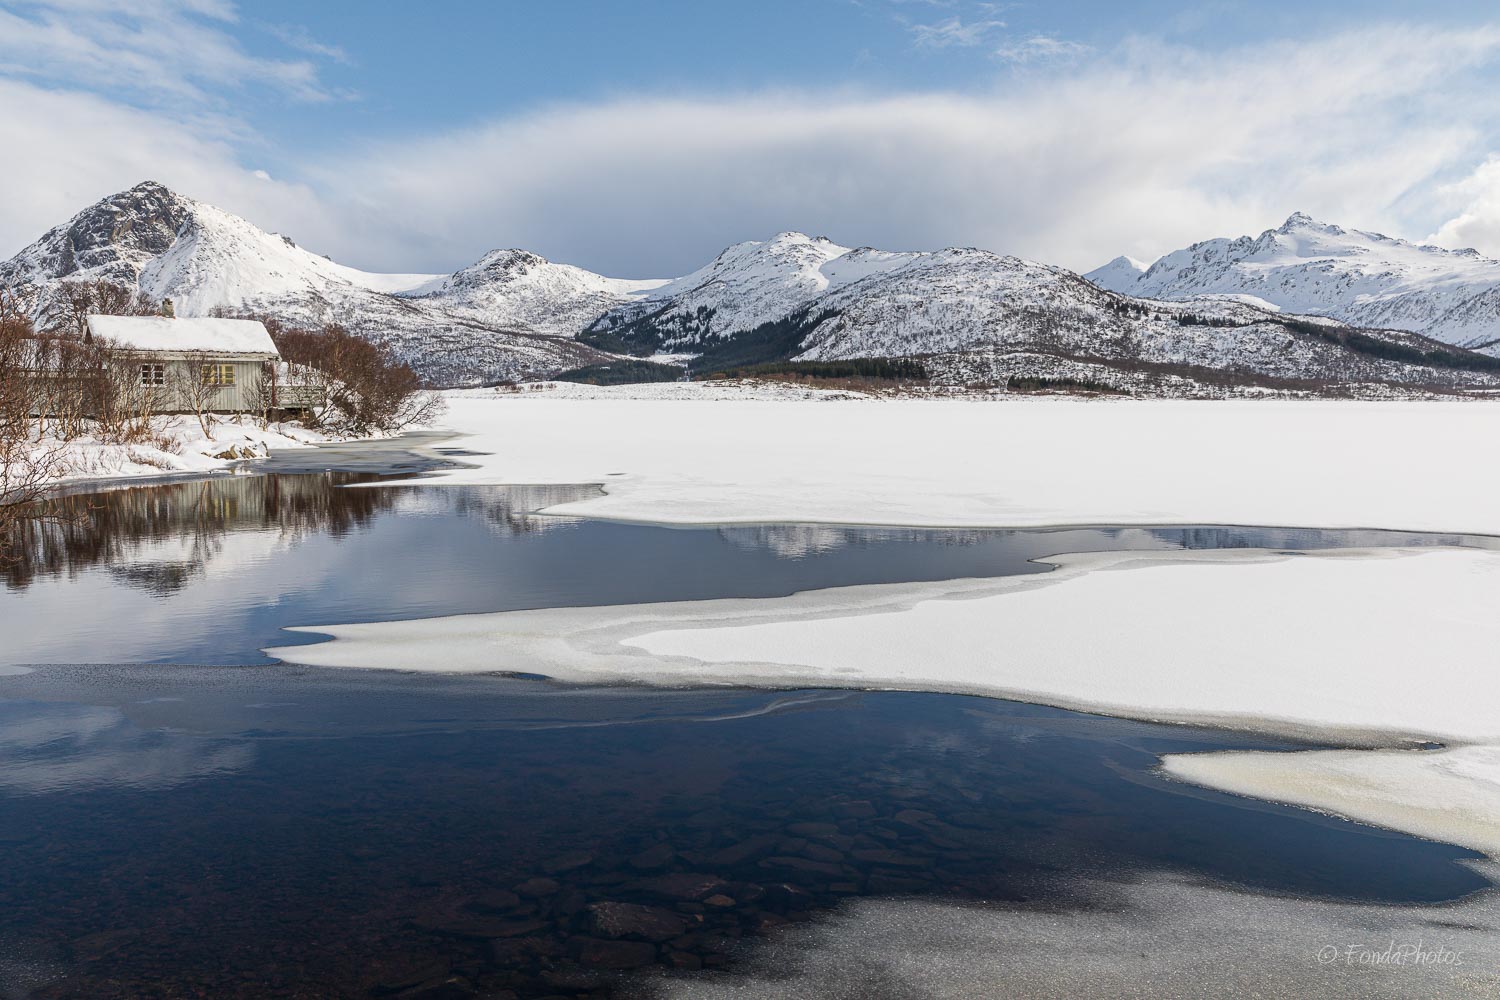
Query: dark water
point(206, 829)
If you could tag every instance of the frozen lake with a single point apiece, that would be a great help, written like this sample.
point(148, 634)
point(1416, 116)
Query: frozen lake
point(180, 816)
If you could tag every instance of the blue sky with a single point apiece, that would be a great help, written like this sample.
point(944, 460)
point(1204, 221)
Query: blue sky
point(638, 138)
point(400, 68)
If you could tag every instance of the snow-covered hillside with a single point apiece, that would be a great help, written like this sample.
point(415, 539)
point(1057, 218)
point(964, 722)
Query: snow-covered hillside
point(219, 260)
point(746, 286)
point(510, 315)
point(1363, 278)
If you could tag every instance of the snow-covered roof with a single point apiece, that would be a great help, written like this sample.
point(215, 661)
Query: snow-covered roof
point(188, 334)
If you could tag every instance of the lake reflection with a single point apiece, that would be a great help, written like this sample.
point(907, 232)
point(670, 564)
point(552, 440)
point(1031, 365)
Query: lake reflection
point(327, 833)
point(71, 748)
point(210, 572)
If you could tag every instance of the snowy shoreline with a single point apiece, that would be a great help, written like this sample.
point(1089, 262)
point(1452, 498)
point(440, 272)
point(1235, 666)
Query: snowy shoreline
point(176, 450)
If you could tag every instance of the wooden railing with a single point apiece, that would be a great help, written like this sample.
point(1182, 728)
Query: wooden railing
point(299, 397)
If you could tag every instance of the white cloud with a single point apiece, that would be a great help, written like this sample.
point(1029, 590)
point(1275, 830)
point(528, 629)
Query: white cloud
point(954, 31)
point(81, 148)
point(1037, 48)
point(1136, 151)
point(298, 38)
point(1476, 200)
point(174, 51)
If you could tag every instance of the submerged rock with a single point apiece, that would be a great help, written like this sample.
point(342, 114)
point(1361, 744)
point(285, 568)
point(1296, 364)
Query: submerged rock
point(745, 850)
point(682, 885)
point(604, 954)
point(656, 856)
point(616, 920)
point(535, 888)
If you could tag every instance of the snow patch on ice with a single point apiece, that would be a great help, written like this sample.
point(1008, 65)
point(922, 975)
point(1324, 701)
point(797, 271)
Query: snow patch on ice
point(1451, 795)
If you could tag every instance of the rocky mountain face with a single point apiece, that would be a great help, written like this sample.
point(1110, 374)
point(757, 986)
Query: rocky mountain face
point(114, 239)
point(972, 313)
point(1306, 266)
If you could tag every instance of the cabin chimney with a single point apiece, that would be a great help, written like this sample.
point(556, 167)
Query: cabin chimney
point(167, 310)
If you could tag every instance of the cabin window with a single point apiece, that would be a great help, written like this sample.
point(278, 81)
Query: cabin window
point(218, 374)
point(153, 374)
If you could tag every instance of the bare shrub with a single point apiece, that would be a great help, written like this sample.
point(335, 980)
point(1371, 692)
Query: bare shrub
point(27, 468)
point(78, 300)
point(369, 390)
point(198, 388)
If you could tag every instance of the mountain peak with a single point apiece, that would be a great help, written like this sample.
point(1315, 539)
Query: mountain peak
point(1119, 275)
point(508, 258)
point(148, 187)
point(1304, 223)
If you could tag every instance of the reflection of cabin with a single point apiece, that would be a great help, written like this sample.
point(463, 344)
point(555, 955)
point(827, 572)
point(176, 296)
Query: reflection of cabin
point(218, 365)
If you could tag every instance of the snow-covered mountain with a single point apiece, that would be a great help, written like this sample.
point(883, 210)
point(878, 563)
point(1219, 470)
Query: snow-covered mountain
point(1118, 273)
point(745, 287)
point(514, 314)
point(802, 298)
point(1306, 266)
point(511, 315)
point(521, 289)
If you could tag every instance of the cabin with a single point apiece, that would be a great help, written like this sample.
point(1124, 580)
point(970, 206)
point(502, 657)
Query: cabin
point(207, 363)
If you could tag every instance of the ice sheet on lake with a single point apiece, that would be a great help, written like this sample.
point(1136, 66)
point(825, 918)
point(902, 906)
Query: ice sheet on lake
point(691, 458)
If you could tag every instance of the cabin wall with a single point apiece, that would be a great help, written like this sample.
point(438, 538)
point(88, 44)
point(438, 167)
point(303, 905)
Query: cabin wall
point(173, 393)
point(171, 398)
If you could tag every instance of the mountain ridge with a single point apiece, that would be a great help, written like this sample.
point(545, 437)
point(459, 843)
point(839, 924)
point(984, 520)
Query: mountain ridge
point(1361, 277)
point(516, 315)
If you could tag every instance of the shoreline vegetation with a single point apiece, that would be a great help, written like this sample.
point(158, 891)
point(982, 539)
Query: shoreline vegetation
point(978, 375)
point(76, 407)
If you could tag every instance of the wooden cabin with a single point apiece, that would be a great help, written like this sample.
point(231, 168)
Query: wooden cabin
point(217, 365)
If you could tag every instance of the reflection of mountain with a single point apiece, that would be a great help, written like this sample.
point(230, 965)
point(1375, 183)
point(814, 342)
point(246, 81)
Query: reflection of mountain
point(506, 511)
point(160, 538)
point(1234, 537)
point(797, 541)
point(70, 748)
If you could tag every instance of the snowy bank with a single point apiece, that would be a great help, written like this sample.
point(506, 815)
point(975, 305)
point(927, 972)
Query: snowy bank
point(700, 455)
point(177, 444)
point(1359, 648)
